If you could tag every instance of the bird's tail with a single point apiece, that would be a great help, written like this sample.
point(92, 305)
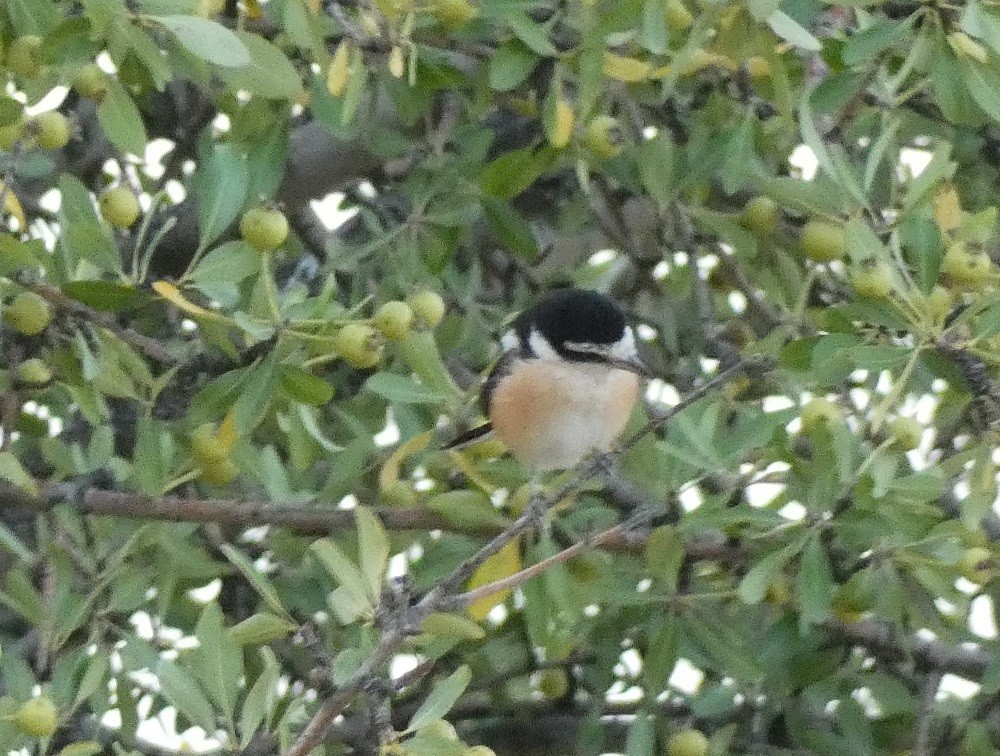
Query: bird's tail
point(469, 437)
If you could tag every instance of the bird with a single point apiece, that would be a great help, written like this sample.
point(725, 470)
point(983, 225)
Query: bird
point(566, 381)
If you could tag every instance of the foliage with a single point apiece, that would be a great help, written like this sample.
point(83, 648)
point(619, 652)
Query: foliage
point(226, 493)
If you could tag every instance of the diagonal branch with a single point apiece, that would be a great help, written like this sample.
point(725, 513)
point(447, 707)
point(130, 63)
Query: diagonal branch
point(438, 596)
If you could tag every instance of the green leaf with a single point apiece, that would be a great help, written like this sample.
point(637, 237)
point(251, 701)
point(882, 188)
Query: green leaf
point(33, 16)
point(441, 698)
point(815, 584)
point(153, 453)
point(208, 40)
point(121, 121)
point(875, 39)
point(94, 677)
point(373, 548)
point(16, 255)
point(107, 296)
point(467, 510)
point(661, 655)
point(260, 628)
point(257, 579)
point(792, 32)
point(981, 83)
point(399, 389)
point(303, 386)
point(511, 65)
point(220, 185)
point(267, 73)
point(83, 748)
point(12, 472)
point(180, 689)
point(257, 394)
point(510, 174)
point(653, 33)
point(755, 583)
point(982, 22)
point(344, 571)
point(345, 664)
point(532, 34)
point(664, 554)
point(217, 662)
point(221, 270)
point(923, 248)
point(260, 699)
point(513, 229)
point(950, 91)
point(456, 626)
point(655, 160)
point(862, 244)
point(641, 736)
point(833, 163)
point(85, 236)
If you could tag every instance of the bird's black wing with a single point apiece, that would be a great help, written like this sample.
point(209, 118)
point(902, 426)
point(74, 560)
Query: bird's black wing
point(480, 432)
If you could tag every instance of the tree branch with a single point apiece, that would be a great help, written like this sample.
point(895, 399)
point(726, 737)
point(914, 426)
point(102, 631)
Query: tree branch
point(882, 641)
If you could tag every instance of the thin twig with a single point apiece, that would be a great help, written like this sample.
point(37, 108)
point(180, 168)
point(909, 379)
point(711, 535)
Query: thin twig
point(151, 348)
point(438, 596)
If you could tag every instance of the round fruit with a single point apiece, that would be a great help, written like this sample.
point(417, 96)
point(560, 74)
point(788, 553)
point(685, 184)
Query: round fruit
point(758, 68)
point(687, 743)
point(29, 313)
point(12, 132)
point(428, 308)
point(873, 280)
point(553, 683)
point(37, 717)
point(454, 13)
point(394, 320)
point(679, 18)
point(51, 129)
point(847, 615)
point(119, 207)
point(359, 344)
point(818, 413)
point(33, 373)
point(906, 432)
point(939, 303)
point(25, 56)
point(206, 448)
point(965, 268)
point(761, 216)
point(977, 565)
point(264, 228)
point(91, 82)
point(601, 136)
point(219, 473)
point(822, 241)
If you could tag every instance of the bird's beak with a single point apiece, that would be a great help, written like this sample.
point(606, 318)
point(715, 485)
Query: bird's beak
point(633, 365)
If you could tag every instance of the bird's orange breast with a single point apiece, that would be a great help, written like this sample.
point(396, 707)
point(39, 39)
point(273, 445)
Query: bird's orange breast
point(551, 414)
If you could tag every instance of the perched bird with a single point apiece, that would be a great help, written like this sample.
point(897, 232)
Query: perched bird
point(566, 383)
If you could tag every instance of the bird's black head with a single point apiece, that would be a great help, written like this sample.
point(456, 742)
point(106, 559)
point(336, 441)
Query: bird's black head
point(578, 325)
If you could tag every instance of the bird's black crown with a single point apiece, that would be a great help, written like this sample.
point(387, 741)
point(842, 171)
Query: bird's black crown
point(572, 316)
